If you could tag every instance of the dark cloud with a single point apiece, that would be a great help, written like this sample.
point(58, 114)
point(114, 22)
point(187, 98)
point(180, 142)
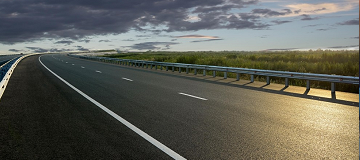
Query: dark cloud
point(351, 46)
point(37, 49)
point(350, 22)
point(81, 48)
point(14, 50)
point(297, 11)
point(306, 17)
point(104, 40)
point(42, 50)
point(207, 40)
point(86, 41)
point(324, 29)
point(76, 20)
point(312, 25)
point(316, 10)
point(152, 45)
point(197, 36)
point(281, 49)
point(128, 39)
point(64, 42)
point(280, 22)
point(225, 8)
point(143, 36)
point(271, 13)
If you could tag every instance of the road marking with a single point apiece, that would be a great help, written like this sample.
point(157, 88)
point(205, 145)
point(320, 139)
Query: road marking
point(147, 137)
point(72, 64)
point(193, 96)
point(66, 62)
point(127, 79)
point(82, 67)
point(98, 71)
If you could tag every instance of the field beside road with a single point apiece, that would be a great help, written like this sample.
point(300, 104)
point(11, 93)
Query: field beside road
point(324, 62)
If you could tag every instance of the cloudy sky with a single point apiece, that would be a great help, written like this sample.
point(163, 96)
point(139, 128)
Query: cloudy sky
point(177, 25)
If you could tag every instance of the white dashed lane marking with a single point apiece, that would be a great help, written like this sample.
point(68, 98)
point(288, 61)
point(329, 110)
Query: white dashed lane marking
point(127, 79)
point(189, 95)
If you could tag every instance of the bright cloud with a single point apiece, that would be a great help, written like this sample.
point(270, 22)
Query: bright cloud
point(322, 8)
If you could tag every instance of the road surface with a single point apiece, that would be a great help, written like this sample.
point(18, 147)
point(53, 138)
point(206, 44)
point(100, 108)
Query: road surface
point(42, 117)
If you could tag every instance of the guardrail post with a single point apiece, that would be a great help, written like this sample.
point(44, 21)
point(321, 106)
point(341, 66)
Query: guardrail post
point(332, 87)
point(307, 84)
point(167, 68)
point(195, 71)
point(237, 76)
point(214, 73)
point(286, 82)
point(268, 80)
point(179, 69)
point(204, 72)
point(147, 66)
point(161, 67)
point(173, 68)
point(225, 75)
point(142, 64)
point(151, 66)
point(252, 78)
point(155, 67)
point(187, 69)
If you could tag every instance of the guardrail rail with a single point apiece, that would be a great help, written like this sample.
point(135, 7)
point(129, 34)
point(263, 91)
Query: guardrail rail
point(252, 72)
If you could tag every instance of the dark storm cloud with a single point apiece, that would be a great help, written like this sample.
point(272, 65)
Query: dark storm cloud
point(312, 25)
point(152, 45)
point(14, 50)
point(297, 11)
point(306, 17)
point(351, 46)
point(128, 40)
point(37, 49)
point(207, 40)
point(81, 48)
point(76, 20)
point(280, 22)
point(64, 42)
point(85, 40)
point(104, 41)
point(350, 22)
point(224, 8)
point(281, 49)
point(271, 13)
point(43, 50)
point(323, 29)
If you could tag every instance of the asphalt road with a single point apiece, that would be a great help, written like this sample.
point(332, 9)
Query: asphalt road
point(42, 117)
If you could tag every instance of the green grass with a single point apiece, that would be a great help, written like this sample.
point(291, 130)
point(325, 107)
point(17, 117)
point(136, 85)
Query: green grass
point(325, 62)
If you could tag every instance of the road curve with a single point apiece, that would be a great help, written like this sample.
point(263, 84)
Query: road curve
point(43, 118)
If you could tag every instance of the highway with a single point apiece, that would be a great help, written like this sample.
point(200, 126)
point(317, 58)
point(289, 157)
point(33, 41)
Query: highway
point(44, 118)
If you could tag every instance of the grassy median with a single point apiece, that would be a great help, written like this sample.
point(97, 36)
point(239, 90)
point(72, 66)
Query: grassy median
point(325, 62)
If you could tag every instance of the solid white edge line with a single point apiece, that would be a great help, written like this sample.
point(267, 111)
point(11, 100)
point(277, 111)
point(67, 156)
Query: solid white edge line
point(193, 96)
point(150, 139)
point(127, 79)
point(98, 71)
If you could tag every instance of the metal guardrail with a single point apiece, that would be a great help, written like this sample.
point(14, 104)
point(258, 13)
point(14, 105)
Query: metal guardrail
point(252, 72)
